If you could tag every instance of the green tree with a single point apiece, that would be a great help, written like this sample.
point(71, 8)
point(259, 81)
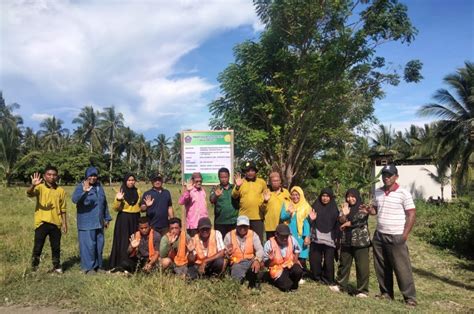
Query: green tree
point(88, 131)
point(52, 133)
point(455, 129)
point(162, 150)
point(440, 177)
point(110, 122)
point(383, 141)
point(310, 80)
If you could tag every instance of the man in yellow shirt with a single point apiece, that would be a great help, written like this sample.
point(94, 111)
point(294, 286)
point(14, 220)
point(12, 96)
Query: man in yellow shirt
point(50, 215)
point(249, 191)
point(273, 201)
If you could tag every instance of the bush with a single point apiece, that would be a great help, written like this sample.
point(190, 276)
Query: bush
point(447, 225)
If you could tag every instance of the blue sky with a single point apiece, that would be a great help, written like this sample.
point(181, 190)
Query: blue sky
point(158, 61)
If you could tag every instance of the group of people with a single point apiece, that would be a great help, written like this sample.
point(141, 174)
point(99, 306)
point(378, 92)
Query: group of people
point(245, 213)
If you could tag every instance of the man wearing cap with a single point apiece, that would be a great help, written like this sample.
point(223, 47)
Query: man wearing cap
point(194, 201)
point(280, 255)
point(207, 253)
point(273, 201)
point(157, 204)
point(92, 217)
point(250, 193)
point(395, 218)
point(245, 252)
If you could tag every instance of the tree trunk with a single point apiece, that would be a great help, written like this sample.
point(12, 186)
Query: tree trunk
point(442, 193)
point(111, 162)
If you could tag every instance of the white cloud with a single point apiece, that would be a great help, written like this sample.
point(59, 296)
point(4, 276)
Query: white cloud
point(123, 53)
point(39, 117)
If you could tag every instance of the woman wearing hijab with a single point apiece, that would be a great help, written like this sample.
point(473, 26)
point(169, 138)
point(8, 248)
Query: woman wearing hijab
point(127, 205)
point(355, 243)
point(324, 224)
point(296, 212)
point(92, 217)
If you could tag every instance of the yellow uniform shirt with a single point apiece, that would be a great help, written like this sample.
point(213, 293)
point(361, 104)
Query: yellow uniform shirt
point(273, 208)
point(125, 207)
point(50, 203)
point(251, 198)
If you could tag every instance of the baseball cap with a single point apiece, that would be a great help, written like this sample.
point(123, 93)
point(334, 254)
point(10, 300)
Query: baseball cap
point(243, 221)
point(204, 222)
point(249, 165)
point(391, 169)
point(283, 230)
point(156, 176)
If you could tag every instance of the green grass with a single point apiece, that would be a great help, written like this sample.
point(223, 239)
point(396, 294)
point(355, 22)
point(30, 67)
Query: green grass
point(444, 282)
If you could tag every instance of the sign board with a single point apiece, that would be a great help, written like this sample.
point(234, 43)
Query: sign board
point(206, 152)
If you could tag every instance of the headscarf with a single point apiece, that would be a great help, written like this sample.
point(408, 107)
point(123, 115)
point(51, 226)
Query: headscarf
point(326, 214)
point(354, 208)
point(129, 194)
point(302, 208)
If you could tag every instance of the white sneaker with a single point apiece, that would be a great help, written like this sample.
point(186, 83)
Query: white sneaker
point(334, 288)
point(302, 281)
point(58, 270)
point(361, 295)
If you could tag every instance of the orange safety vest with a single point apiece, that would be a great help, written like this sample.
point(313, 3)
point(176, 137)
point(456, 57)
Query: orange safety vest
point(181, 258)
point(278, 263)
point(211, 247)
point(151, 247)
point(237, 253)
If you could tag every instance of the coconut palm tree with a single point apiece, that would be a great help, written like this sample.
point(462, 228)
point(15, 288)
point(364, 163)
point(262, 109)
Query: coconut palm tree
point(52, 133)
point(383, 141)
point(110, 122)
point(161, 149)
point(439, 177)
point(88, 130)
point(455, 129)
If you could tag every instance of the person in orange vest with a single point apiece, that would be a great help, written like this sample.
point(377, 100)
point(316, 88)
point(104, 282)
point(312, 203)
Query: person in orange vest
point(144, 248)
point(245, 252)
point(280, 255)
point(174, 248)
point(207, 250)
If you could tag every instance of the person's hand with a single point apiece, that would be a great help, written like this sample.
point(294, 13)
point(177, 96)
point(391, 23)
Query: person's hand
point(190, 184)
point(134, 243)
point(405, 237)
point(307, 241)
point(255, 266)
point(202, 268)
point(345, 225)
point(238, 179)
point(345, 209)
point(172, 238)
point(106, 224)
point(218, 191)
point(36, 179)
point(119, 195)
point(271, 254)
point(266, 195)
point(364, 208)
point(64, 228)
point(229, 249)
point(147, 268)
point(149, 200)
point(190, 245)
point(86, 186)
point(291, 208)
point(313, 215)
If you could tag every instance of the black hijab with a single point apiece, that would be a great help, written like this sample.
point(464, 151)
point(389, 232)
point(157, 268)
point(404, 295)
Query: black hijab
point(355, 208)
point(130, 194)
point(326, 214)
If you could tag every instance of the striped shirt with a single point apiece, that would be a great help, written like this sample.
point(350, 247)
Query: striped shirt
point(391, 209)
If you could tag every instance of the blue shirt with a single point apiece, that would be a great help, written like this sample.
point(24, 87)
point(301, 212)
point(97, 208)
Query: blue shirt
point(158, 212)
point(92, 209)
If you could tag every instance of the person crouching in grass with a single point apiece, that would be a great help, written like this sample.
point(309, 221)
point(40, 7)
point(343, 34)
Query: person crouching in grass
point(144, 248)
point(50, 215)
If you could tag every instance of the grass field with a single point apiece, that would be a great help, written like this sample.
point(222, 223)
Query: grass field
point(444, 282)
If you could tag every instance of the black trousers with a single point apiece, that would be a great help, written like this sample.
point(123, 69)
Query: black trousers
point(54, 233)
point(257, 227)
point(224, 228)
point(321, 261)
point(133, 264)
point(289, 278)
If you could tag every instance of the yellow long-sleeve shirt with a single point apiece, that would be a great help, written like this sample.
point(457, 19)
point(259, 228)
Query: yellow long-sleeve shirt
point(273, 208)
point(122, 205)
point(251, 198)
point(50, 203)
